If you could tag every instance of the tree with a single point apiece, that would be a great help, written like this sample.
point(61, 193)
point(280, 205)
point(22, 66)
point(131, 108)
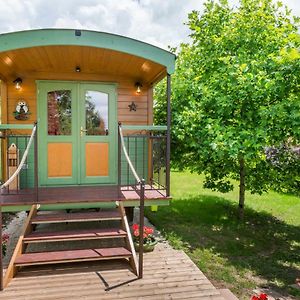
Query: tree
point(95, 124)
point(235, 93)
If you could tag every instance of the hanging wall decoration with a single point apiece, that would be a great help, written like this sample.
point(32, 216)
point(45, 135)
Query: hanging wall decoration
point(22, 111)
point(132, 106)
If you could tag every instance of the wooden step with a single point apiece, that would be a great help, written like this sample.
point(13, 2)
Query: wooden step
point(74, 235)
point(56, 257)
point(76, 217)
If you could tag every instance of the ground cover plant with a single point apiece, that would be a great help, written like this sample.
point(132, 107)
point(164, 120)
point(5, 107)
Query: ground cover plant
point(261, 251)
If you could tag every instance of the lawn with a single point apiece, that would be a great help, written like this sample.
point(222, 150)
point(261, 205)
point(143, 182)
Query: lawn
point(263, 250)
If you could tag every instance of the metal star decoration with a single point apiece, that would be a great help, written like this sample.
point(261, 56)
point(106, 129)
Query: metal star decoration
point(132, 106)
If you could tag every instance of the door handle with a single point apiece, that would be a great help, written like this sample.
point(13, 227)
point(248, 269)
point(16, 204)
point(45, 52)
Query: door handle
point(82, 131)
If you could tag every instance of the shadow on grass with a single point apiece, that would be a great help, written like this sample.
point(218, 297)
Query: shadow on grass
point(261, 244)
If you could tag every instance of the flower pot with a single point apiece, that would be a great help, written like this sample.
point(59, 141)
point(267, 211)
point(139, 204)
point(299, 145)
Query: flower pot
point(147, 247)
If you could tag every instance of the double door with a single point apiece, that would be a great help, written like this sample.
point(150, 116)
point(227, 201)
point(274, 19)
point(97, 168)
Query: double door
point(77, 133)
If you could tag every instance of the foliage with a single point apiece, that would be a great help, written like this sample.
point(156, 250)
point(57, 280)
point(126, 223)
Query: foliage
point(235, 92)
point(285, 161)
point(262, 252)
point(95, 123)
point(5, 238)
point(60, 112)
point(147, 234)
point(260, 297)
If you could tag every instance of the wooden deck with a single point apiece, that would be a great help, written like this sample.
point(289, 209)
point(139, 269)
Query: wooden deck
point(78, 194)
point(168, 274)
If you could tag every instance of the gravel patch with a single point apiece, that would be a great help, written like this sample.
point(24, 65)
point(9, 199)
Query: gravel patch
point(13, 227)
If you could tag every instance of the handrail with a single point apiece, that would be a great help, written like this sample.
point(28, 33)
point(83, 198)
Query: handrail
point(141, 182)
point(16, 126)
point(145, 127)
point(16, 173)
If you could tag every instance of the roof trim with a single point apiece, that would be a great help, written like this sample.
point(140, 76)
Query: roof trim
point(51, 37)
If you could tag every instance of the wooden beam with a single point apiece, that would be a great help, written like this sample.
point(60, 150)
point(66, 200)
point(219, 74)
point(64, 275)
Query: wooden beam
point(3, 99)
point(150, 106)
point(64, 206)
point(4, 117)
point(150, 122)
point(129, 242)
point(168, 150)
point(20, 248)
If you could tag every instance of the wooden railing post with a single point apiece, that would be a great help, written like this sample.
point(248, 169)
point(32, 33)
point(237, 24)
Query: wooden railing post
point(141, 235)
point(36, 176)
point(168, 146)
point(119, 160)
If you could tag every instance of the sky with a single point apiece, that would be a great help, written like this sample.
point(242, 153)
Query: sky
point(158, 22)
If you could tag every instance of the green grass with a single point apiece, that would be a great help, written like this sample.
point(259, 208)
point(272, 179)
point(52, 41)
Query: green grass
point(263, 250)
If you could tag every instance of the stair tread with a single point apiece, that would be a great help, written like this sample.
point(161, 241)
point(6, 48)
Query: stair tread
point(71, 255)
point(76, 217)
point(74, 234)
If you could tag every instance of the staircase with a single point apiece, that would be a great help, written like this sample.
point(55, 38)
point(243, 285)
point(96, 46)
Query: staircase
point(36, 234)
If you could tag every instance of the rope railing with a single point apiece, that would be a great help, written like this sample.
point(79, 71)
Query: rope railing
point(16, 173)
point(141, 182)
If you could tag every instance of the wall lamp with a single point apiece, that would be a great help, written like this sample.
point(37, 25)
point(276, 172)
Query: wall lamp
point(3, 134)
point(138, 86)
point(18, 82)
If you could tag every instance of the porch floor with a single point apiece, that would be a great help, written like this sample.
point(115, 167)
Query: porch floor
point(168, 274)
point(79, 194)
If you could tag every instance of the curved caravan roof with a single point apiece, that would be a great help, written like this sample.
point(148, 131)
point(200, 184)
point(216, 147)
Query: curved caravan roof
point(11, 42)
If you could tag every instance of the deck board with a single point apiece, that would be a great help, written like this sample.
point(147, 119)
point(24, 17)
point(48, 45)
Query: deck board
point(79, 194)
point(168, 274)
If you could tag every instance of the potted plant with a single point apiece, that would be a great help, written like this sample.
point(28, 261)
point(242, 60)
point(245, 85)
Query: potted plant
point(260, 297)
point(5, 238)
point(149, 240)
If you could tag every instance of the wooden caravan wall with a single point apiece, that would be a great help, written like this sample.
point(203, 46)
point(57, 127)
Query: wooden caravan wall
point(125, 90)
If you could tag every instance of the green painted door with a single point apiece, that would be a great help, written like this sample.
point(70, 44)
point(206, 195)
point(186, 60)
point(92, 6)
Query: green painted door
point(77, 133)
point(98, 134)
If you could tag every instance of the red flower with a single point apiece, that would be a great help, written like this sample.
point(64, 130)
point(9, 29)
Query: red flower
point(136, 233)
point(148, 230)
point(5, 238)
point(135, 226)
point(263, 297)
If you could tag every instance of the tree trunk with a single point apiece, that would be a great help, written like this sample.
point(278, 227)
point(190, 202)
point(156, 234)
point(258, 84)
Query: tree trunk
point(242, 188)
